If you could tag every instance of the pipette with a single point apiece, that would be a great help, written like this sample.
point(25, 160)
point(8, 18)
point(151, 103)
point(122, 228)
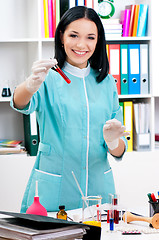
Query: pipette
point(83, 197)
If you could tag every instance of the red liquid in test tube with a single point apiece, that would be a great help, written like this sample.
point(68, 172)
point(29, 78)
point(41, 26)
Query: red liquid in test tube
point(116, 212)
point(56, 67)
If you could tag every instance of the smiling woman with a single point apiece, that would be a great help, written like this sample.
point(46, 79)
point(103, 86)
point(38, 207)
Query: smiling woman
point(83, 25)
point(78, 122)
point(80, 42)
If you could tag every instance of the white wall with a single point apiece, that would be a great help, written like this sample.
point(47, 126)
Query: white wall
point(135, 176)
point(14, 174)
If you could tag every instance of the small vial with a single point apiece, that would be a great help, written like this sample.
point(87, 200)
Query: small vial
point(61, 213)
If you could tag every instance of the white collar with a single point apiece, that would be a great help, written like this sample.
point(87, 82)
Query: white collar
point(78, 72)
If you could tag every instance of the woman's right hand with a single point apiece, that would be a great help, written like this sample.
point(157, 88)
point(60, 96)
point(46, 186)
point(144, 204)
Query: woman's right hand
point(39, 71)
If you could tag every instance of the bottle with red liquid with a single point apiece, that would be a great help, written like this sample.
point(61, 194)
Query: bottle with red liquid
point(113, 200)
point(116, 212)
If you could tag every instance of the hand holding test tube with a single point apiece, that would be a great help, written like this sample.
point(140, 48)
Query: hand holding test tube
point(40, 69)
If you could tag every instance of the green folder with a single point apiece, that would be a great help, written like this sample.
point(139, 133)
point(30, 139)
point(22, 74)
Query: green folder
point(31, 134)
point(122, 108)
point(124, 68)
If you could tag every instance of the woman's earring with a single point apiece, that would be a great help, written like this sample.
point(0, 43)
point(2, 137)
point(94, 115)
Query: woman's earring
point(62, 45)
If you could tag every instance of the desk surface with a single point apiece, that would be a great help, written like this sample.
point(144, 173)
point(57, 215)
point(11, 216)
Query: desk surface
point(152, 234)
point(143, 227)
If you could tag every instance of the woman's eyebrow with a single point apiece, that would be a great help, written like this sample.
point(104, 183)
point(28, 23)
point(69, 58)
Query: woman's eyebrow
point(73, 31)
point(92, 34)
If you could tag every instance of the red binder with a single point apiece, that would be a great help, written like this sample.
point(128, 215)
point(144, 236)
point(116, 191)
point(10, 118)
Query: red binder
point(114, 62)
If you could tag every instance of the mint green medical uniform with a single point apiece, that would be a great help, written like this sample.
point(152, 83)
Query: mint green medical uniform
point(71, 118)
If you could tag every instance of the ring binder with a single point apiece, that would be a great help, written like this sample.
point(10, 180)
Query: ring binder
point(31, 135)
point(134, 68)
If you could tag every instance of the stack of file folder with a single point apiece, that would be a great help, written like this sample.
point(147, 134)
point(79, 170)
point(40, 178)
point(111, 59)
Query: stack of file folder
point(50, 17)
point(134, 20)
point(136, 118)
point(27, 226)
point(129, 66)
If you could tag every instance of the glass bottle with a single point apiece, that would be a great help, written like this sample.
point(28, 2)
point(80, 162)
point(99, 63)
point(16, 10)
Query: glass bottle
point(61, 213)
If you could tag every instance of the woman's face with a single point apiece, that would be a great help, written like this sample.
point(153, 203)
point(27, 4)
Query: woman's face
point(80, 39)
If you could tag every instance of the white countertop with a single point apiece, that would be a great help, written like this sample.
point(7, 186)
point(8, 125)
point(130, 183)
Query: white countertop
point(147, 233)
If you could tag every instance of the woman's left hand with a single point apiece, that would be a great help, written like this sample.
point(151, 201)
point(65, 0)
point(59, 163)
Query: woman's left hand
point(112, 131)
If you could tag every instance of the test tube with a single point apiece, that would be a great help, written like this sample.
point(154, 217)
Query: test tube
point(116, 211)
point(58, 69)
point(111, 219)
point(98, 213)
point(110, 197)
point(111, 213)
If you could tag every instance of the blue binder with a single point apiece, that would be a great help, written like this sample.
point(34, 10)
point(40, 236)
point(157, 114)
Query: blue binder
point(134, 68)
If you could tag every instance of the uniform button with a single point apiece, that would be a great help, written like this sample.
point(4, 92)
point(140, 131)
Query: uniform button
point(84, 168)
point(85, 137)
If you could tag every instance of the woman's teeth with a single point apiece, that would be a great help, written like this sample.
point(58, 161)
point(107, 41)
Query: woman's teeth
point(80, 53)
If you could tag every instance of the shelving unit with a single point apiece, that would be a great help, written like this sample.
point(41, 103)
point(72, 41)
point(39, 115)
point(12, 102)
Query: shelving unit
point(21, 44)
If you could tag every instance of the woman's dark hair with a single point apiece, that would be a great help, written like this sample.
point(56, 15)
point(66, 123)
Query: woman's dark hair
point(99, 59)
